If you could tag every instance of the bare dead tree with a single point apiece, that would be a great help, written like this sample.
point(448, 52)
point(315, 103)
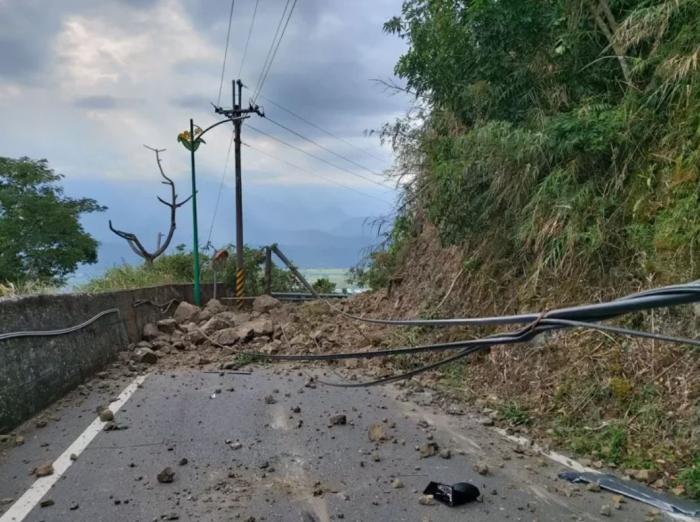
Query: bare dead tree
point(133, 241)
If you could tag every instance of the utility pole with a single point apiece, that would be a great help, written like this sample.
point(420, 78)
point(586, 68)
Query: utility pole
point(240, 113)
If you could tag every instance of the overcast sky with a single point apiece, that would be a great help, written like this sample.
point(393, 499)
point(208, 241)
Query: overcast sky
point(85, 83)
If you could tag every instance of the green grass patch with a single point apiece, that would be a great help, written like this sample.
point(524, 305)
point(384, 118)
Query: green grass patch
point(515, 414)
point(689, 478)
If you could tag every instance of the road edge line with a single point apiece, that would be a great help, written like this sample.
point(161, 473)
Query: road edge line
point(41, 486)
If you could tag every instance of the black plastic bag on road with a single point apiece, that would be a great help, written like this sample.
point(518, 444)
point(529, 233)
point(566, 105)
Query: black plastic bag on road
point(454, 495)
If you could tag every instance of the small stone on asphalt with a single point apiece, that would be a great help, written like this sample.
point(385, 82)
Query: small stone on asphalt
point(166, 476)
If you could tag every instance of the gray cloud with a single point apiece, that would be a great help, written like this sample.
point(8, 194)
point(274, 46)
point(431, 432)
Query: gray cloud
point(17, 59)
point(192, 101)
point(104, 102)
point(156, 70)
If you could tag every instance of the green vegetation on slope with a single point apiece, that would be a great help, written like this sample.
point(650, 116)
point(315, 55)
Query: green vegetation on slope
point(555, 144)
point(533, 142)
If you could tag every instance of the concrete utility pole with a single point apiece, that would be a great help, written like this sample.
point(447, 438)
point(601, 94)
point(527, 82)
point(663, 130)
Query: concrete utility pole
point(238, 112)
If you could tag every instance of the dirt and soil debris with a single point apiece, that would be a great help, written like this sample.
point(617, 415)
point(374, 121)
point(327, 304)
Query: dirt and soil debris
point(535, 390)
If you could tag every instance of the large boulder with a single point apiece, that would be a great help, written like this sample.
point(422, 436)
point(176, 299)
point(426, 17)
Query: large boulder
point(186, 313)
point(216, 323)
point(265, 303)
point(145, 355)
point(214, 306)
point(167, 326)
point(150, 331)
point(195, 337)
point(233, 318)
point(227, 336)
point(261, 326)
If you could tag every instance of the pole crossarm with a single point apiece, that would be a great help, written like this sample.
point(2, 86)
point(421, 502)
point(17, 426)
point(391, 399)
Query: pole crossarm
point(230, 118)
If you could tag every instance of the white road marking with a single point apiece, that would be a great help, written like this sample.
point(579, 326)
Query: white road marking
point(29, 500)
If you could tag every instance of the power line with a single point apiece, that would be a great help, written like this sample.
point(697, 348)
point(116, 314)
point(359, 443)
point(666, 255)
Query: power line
point(247, 41)
point(305, 138)
point(302, 169)
point(221, 186)
point(266, 69)
point(274, 54)
point(272, 45)
point(318, 127)
point(223, 66)
point(319, 158)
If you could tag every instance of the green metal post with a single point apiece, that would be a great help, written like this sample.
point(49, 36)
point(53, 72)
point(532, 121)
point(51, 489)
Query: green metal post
point(195, 249)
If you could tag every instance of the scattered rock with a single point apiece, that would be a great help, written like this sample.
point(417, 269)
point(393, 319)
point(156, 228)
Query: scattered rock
point(445, 454)
point(272, 347)
point(617, 500)
point(44, 470)
point(186, 313)
point(429, 449)
point(214, 307)
point(645, 475)
point(593, 486)
point(227, 336)
point(259, 326)
point(183, 461)
point(40, 423)
point(150, 331)
point(265, 303)
point(145, 355)
point(166, 476)
point(47, 502)
point(481, 468)
point(455, 409)
point(605, 510)
point(339, 420)
point(486, 421)
point(426, 500)
point(74, 506)
point(270, 399)
point(377, 433)
point(106, 415)
point(167, 326)
point(396, 484)
point(215, 324)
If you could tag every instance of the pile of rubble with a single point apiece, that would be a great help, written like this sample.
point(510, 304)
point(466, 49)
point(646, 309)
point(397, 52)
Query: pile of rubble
point(213, 334)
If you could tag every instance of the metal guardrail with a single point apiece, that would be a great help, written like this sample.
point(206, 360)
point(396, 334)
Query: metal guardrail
point(305, 296)
point(291, 296)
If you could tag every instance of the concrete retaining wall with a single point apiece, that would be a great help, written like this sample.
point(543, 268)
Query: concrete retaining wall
point(35, 371)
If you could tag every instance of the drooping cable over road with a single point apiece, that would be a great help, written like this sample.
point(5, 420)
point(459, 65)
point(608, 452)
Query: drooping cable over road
point(585, 316)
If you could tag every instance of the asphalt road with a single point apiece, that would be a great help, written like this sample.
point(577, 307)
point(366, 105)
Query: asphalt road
point(249, 453)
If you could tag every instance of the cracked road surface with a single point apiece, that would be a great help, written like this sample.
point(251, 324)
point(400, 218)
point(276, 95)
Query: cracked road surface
point(262, 447)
